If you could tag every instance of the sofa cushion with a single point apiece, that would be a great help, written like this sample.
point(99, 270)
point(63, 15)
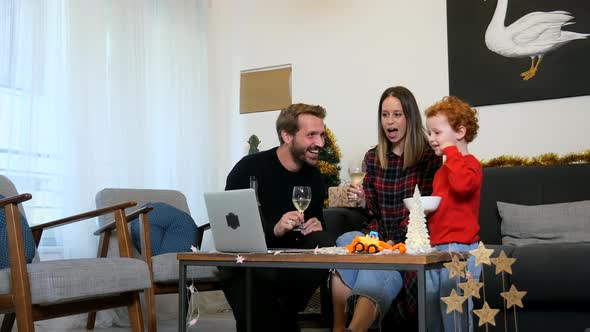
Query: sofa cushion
point(165, 269)
point(112, 196)
point(171, 230)
point(552, 273)
point(28, 240)
point(528, 185)
point(67, 280)
point(550, 223)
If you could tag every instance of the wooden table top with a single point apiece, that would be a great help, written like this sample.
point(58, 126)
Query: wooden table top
point(434, 257)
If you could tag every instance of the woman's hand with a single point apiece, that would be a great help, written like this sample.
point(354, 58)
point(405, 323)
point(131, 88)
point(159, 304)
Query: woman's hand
point(356, 194)
point(288, 222)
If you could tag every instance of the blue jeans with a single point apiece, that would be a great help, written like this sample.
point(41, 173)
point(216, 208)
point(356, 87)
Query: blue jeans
point(439, 285)
point(381, 286)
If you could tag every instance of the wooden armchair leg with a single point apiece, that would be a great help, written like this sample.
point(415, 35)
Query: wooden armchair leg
point(8, 322)
point(24, 322)
point(103, 249)
point(135, 317)
point(90, 321)
point(150, 309)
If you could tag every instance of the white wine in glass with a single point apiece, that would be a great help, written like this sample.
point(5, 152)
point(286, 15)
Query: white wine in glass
point(357, 177)
point(357, 172)
point(301, 199)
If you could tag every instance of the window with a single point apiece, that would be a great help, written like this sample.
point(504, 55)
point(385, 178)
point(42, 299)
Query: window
point(27, 148)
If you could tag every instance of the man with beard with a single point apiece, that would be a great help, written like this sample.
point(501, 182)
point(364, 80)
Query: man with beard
point(281, 293)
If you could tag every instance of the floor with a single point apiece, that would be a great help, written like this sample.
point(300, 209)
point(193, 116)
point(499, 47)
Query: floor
point(218, 322)
point(216, 316)
point(210, 322)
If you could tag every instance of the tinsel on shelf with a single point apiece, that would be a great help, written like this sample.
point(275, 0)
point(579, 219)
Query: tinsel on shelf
point(547, 159)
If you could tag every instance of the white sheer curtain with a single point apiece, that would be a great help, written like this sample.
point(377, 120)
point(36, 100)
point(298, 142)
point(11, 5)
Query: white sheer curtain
point(101, 93)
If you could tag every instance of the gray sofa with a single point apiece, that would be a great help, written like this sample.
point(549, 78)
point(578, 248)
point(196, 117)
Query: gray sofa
point(556, 271)
point(551, 244)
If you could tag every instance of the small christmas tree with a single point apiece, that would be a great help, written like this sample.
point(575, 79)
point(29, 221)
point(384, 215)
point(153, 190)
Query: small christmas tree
point(329, 161)
point(417, 237)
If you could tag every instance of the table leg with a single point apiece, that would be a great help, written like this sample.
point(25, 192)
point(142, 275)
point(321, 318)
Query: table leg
point(421, 298)
point(249, 301)
point(182, 302)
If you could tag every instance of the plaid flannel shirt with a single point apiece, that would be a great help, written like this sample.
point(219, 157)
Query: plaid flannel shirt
point(385, 190)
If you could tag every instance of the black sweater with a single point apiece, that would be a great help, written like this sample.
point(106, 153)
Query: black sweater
point(275, 187)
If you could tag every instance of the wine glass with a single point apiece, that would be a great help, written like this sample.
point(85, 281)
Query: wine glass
point(301, 199)
point(357, 172)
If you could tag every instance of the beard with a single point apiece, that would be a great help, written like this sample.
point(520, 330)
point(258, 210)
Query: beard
point(298, 153)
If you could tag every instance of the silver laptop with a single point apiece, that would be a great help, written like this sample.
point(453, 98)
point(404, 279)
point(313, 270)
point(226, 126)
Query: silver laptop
point(235, 221)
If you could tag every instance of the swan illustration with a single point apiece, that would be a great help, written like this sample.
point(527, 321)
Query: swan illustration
point(532, 35)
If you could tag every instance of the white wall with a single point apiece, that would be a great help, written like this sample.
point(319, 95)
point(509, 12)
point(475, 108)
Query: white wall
point(344, 54)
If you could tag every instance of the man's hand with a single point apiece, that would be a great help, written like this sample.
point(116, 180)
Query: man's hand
point(312, 225)
point(287, 222)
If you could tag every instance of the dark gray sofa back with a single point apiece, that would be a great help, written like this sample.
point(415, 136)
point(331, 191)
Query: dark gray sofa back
point(528, 185)
point(340, 220)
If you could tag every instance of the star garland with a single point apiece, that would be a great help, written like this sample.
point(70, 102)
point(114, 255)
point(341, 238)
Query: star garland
point(471, 287)
point(482, 254)
point(454, 302)
point(456, 267)
point(193, 306)
point(503, 263)
point(513, 297)
point(486, 314)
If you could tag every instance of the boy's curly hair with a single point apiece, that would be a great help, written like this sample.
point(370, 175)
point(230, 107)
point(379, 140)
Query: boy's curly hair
point(458, 113)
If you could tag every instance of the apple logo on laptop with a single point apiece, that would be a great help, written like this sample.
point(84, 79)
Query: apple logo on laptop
point(232, 220)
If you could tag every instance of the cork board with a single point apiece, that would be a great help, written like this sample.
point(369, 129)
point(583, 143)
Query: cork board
point(265, 89)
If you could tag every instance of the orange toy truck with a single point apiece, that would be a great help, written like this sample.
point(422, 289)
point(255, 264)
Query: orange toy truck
point(371, 244)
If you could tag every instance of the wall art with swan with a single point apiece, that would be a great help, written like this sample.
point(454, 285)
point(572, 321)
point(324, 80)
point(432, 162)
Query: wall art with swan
point(504, 51)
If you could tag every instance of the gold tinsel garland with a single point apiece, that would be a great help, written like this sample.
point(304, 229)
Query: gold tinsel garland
point(327, 168)
point(329, 162)
point(547, 159)
point(335, 148)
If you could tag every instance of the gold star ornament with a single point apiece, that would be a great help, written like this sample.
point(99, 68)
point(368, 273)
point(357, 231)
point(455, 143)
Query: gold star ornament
point(486, 314)
point(471, 287)
point(503, 263)
point(513, 297)
point(454, 302)
point(482, 254)
point(456, 267)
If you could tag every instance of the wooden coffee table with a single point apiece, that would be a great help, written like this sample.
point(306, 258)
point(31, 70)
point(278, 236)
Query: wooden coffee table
point(403, 262)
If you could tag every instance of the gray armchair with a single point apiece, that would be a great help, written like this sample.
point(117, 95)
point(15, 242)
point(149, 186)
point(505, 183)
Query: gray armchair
point(43, 290)
point(164, 267)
